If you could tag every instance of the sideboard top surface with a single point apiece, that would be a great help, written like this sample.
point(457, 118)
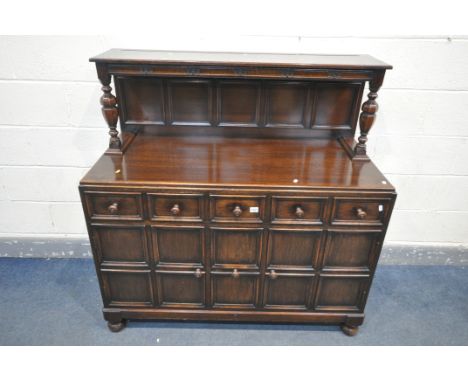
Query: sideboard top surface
point(347, 61)
point(155, 159)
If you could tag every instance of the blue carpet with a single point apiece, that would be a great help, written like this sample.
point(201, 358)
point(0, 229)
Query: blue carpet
point(57, 302)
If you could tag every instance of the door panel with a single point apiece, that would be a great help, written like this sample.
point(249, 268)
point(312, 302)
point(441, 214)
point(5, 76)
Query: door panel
point(120, 244)
point(235, 292)
point(351, 249)
point(181, 288)
point(178, 245)
point(236, 247)
point(293, 249)
point(127, 288)
point(341, 292)
point(288, 291)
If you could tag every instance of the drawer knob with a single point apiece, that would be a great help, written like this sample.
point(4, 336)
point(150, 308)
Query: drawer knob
point(235, 274)
point(175, 210)
point(299, 212)
point(237, 211)
point(113, 208)
point(198, 273)
point(273, 275)
point(361, 214)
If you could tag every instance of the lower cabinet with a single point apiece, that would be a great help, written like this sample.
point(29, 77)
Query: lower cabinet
point(180, 264)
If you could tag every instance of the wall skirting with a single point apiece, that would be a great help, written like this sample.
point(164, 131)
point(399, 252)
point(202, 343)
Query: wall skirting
point(392, 254)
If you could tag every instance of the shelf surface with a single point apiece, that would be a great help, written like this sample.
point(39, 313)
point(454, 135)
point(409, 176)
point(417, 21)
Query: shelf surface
point(153, 159)
point(330, 61)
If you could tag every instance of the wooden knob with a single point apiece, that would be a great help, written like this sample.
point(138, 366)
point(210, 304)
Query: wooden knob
point(198, 273)
point(299, 212)
point(273, 275)
point(361, 214)
point(235, 273)
point(175, 210)
point(113, 208)
point(237, 211)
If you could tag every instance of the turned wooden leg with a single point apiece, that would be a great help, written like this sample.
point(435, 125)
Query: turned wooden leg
point(349, 330)
point(116, 326)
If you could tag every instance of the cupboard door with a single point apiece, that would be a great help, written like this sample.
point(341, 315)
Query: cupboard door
point(293, 248)
point(287, 291)
point(234, 289)
point(116, 244)
point(182, 288)
point(232, 247)
point(127, 288)
point(178, 245)
point(351, 250)
point(341, 292)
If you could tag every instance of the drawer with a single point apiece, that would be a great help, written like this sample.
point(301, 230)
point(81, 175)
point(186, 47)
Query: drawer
point(173, 207)
point(359, 211)
point(249, 209)
point(298, 210)
point(114, 206)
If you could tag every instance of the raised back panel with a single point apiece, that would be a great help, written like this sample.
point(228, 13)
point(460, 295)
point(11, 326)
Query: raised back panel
point(244, 103)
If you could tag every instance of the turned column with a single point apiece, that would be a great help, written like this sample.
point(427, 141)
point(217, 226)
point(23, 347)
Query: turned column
point(368, 115)
point(109, 108)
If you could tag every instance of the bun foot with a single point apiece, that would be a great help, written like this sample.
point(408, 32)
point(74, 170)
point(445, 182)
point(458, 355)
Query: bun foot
point(116, 327)
point(349, 330)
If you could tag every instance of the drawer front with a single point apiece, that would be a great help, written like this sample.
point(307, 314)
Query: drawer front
point(359, 211)
point(248, 209)
point(174, 207)
point(114, 206)
point(297, 210)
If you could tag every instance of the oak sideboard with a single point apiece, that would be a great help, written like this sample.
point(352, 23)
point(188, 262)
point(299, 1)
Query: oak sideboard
point(233, 188)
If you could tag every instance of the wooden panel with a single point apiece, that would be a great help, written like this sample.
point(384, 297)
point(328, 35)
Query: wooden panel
point(288, 291)
point(238, 103)
point(250, 209)
point(236, 247)
point(178, 245)
point(190, 102)
point(298, 210)
point(114, 206)
point(341, 292)
point(351, 249)
point(143, 100)
point(235, 292)
point(120, 244)
point(336, 106)
point(360, 211)
point(297, 249)
point(180, 288)
point(125, 288)
point(174, 207)
point(285, 104)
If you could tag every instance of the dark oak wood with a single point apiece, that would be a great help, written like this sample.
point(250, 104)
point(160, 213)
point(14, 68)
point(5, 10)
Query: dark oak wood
point(236, 191)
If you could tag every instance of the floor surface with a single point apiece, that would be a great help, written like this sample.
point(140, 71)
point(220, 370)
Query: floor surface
point(57, 302)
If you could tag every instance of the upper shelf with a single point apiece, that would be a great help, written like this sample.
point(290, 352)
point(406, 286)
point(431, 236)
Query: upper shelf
point(347, 61)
